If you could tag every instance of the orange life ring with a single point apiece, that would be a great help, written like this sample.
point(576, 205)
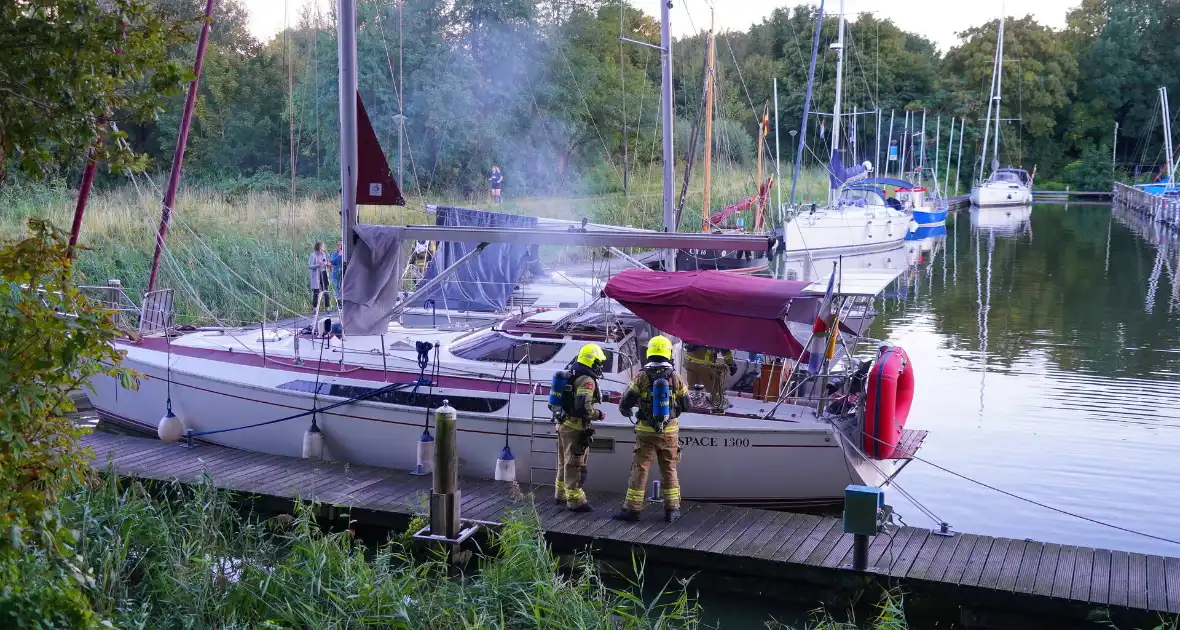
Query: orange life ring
point(888, 400)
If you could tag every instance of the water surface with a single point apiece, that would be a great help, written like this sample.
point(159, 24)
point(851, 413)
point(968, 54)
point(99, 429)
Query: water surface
point(1047, 355)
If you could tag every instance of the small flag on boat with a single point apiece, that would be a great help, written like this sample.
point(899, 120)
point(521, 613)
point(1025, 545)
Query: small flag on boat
point(821, 329)
point(821, 128)
point(766, 121)
point(852, 132)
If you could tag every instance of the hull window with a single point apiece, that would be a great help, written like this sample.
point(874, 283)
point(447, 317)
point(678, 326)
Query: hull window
point(470, 404)
point(496, 348)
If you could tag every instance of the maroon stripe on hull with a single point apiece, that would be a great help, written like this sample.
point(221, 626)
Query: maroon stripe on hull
point(363, 373)
point(333, 368)
point(416, 424)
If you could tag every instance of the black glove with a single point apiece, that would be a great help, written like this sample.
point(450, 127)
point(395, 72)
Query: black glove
point(732, 369)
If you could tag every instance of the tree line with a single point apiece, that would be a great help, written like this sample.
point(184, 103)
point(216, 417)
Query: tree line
point(546, 90)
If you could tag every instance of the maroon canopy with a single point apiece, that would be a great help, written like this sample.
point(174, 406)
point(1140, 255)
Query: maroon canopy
point(712, 308)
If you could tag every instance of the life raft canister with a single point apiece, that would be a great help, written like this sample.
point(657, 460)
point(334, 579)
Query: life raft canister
point(888, 400)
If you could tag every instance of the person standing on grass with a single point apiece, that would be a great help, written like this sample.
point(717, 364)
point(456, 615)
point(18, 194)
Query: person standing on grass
point(317, 268)
point(337, 263)
point(495, 179)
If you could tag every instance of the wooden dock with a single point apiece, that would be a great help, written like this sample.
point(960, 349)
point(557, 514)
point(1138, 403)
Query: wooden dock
point(980, 579)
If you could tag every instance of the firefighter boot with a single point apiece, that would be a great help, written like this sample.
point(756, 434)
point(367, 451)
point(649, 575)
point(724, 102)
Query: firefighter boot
point(672, 515)
point(624, 514)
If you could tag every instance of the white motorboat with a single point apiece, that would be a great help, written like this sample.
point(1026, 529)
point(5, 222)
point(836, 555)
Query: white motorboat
point(1006, 187)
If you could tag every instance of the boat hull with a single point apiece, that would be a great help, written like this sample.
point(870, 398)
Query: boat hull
point(1000, 194)
point(929, 217)
point(772, 465)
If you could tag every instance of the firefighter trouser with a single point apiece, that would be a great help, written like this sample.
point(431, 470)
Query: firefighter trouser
point(663, 448)
point(571, 466)
point(711, 375)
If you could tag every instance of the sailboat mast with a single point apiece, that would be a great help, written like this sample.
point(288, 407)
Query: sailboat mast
point(819, 22)
point(991, 99)
point(839, 83)
point(778, 169)
point(348, 132)
point(666, 111)
point(708, 136)
point(186, 119)
point(1168, 134)
point(999, 87)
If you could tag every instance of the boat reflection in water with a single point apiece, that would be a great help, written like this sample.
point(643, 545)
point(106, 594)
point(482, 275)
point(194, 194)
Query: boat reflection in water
point(1002, 220)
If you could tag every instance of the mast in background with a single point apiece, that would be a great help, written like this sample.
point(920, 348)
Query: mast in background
point(708, 131)
point(819, 22)
point(186, 119)
point(839, 46)
point(666, 112)
point(346, 25)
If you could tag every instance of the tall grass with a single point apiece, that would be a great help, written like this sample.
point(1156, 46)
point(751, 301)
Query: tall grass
point(235, 252)
point(189, 559)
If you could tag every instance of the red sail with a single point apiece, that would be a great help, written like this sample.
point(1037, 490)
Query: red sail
point(375, 185)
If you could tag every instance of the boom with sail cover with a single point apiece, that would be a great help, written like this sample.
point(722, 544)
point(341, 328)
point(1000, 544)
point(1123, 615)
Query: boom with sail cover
point(713, 308)
point(484, 283)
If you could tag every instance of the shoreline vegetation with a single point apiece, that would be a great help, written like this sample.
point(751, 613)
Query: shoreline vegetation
point(169, 555)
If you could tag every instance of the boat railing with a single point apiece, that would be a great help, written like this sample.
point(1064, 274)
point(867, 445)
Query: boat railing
point(123, 310)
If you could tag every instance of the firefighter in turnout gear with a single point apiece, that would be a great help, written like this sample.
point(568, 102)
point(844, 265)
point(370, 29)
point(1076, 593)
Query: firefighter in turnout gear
point(574, 433)
point(661, 396)
point(707, 366)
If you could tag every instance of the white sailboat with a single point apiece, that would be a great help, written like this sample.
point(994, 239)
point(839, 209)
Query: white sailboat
point(362, 389)
point(850, 223)
point(1006, 186)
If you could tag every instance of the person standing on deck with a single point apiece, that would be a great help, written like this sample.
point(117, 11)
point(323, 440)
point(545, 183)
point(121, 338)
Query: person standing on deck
point(495, 179)
point(337, 263)
point(656, 437)
point(707, 366)
point(574, 433)
point(317, 271)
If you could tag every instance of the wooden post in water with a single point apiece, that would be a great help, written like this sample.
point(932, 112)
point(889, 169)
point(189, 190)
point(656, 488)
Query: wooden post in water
point(445, 495)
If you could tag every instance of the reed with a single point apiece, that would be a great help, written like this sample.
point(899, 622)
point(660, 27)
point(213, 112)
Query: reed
point(186, 557)
point(237, 253)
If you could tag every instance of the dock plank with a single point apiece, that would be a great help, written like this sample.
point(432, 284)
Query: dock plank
point(687, 524)
point(789, 537)
point(993, 566)
point(841, 554)
point(765, 518)
point(748, 548)
point(1030, 564)
point(926, 555)
point(1137, 581)
point(1157, 592)
point(742, 527)
point(1119, 575)
point(808, 544)
point(1100, 577)
point(941, 561)
point(1046, 573)
point(1063, 579)
point(738, 518)
point(901, 565)
point(884, 556)
point(976, 562)
point(1011, 565)
point(1172, 583)
point(825, 546)
point(1083, 570)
